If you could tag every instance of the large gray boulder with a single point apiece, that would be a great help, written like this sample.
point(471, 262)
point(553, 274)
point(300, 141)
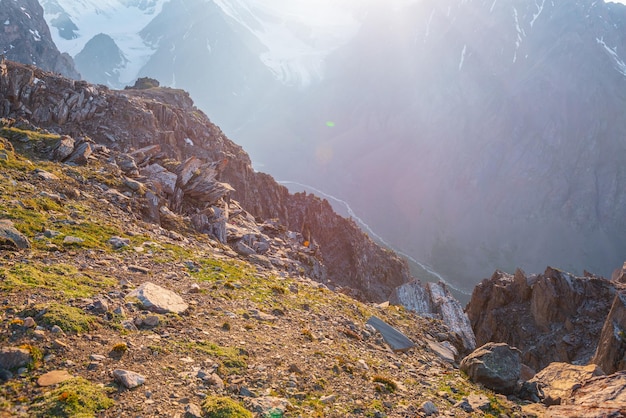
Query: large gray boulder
point(497, 366)
point(157, 299)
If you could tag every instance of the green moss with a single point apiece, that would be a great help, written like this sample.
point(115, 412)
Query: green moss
point(62, 279)
point(389, 385)
point(232, 360)
point(223, 407)
point(76, 397)
point(68, 318)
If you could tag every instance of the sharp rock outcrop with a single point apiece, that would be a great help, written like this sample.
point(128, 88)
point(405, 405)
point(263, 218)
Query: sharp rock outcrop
point(550, 317)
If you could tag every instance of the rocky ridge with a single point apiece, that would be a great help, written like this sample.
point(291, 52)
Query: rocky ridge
point(109, 314)
point(166, 125)
point(550, 317)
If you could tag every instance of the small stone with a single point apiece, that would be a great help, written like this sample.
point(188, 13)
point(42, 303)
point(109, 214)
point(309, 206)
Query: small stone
point(194, 288)
point(129, 326)
point(97, 357)
point(39, 334)
point(117, 242)
point(192, 411)
point(51, 234)
point(128, 379)
point(53, 377)
point(429, 408)
point(94, 365)
point(150, 321)
point(56, 330)
point(44, 175)
point(59, 345)
point(29, 322)
point(138, 269)
point(70, 240)
point(100, 306)
point(328, 399)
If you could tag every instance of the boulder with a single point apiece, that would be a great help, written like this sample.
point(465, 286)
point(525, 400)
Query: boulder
point(63, 148)
point(128, 379)
point(159, 300)
point(11, 238)
point(611, 352)
point(81, 153)
point(555, 382)
point(497, 366)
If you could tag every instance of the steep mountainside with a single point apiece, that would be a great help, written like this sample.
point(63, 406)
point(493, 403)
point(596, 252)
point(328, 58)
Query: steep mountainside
point(168, 118)
point(25, 37)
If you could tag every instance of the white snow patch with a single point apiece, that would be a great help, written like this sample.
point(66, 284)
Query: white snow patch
point(7, 22)
point(620, 66)
point(520, 34)
point(462, 57)
point(493, 5)
point(539, 10)
point(36, 35)
point(188, 141)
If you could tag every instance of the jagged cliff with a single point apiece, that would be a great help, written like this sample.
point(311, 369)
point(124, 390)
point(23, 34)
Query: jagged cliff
point(168, 118)
point(551, 317)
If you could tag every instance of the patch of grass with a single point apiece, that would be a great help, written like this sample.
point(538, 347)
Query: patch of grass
point(68, 318)
point(232, 360)
point(36, 356)
point(76, 397)
point(388, 384)
point(223, 407)
point(62, 279)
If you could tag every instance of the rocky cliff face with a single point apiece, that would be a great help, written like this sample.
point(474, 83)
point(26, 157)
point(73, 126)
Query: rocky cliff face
point(167, 118)
point(550, 317)
point(25, 37)
point(434, 299)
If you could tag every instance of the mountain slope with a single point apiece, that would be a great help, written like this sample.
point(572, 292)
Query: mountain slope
point(26, 38)
point(101, 298)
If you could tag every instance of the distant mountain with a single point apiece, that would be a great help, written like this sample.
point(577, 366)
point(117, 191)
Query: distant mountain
point(25, 37)
point(471, 134)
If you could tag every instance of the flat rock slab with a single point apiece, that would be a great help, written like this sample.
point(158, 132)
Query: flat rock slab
point(558, 379)
point(158, 299)
point(602, 391)
point(445, 350)
point(128, 379)
point(396, 340)
point(53, 377)
point(11, 238)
